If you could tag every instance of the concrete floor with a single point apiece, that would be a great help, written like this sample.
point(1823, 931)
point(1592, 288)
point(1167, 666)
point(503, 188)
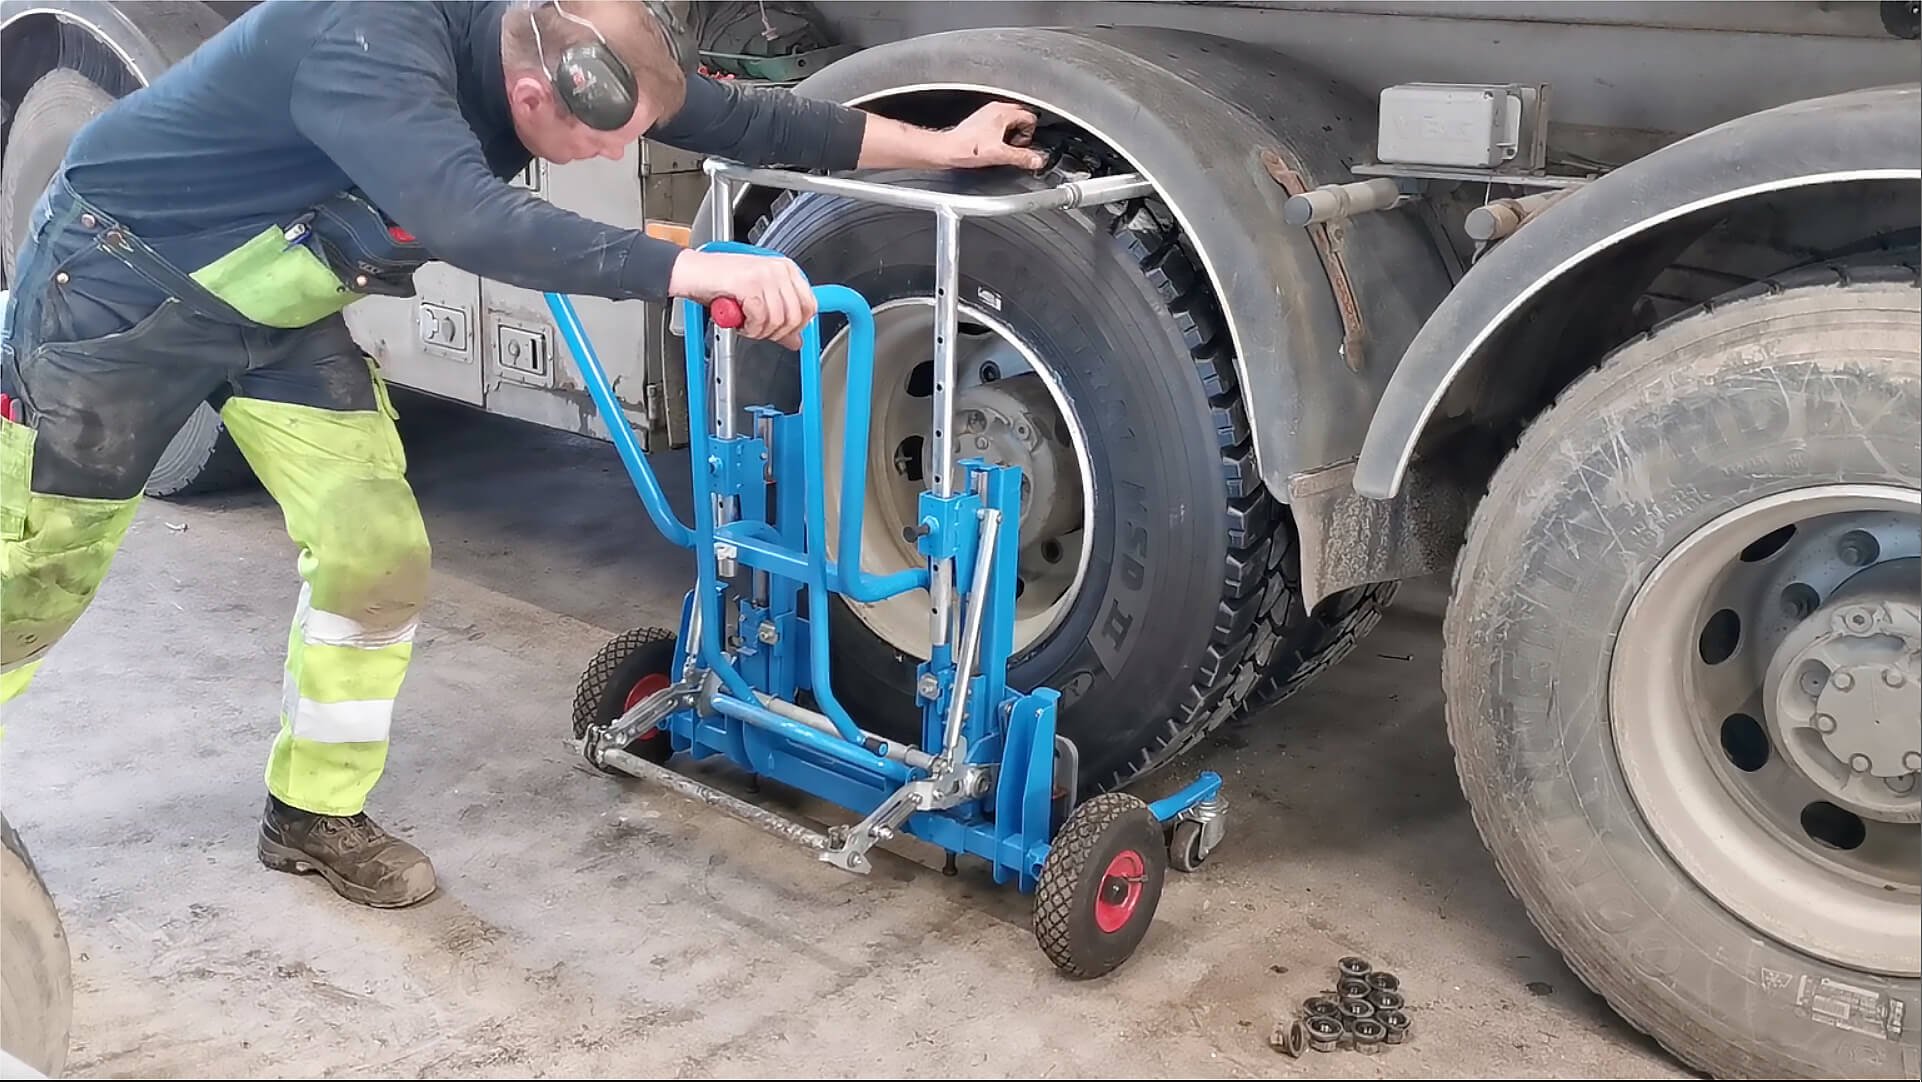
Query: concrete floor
point(588, 925)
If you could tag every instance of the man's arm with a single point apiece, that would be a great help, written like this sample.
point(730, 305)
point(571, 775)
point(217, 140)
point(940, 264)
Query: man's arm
point(375, 94)
point(761, 126)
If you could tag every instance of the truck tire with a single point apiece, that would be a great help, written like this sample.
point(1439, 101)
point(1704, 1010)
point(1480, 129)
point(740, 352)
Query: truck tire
point(1703, 550)
point(1158, 604)
point(36, 976)
point(201, 457)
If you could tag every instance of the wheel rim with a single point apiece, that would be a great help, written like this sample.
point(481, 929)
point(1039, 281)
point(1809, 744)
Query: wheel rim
point(1120, 891)
point(1009, 409)
point(1789, 795)
point(645, 686)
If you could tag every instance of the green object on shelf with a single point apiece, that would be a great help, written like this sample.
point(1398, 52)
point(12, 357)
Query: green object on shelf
point(789, 68)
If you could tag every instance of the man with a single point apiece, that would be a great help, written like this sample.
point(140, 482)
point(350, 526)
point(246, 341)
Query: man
point(199, 242)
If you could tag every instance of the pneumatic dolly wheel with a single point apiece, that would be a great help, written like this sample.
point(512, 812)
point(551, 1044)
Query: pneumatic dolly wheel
point(632, 666)
point(1100, 885)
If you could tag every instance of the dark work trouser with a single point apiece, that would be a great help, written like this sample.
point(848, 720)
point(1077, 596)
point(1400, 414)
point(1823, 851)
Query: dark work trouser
point(110, 350)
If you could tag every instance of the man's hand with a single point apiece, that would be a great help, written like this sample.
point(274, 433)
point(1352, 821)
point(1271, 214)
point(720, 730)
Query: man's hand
point(775, 299)
point(996, 134)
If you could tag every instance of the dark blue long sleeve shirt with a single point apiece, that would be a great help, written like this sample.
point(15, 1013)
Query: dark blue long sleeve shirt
point(300, 99)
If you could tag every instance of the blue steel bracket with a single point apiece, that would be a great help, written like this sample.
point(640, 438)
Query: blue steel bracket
point(1173, 806)
point(737, 466)
point(949, 526)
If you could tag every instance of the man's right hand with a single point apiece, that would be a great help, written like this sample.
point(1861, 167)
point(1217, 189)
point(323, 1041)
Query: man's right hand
point(775, 299)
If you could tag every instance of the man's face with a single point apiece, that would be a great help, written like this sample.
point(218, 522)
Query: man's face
point(550, 132)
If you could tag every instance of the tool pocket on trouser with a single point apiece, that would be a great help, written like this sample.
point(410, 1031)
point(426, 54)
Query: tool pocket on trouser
point(275, 282)
point(103, 409)
point(16, 476)
point(338, 476)
point(50, 572)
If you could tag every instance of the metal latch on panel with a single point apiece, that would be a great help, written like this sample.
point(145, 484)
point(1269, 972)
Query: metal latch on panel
point(519, 350)
point(444, 327)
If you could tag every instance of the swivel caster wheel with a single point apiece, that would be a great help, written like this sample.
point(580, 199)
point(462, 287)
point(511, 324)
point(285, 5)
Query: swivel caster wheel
point(1185, 850)
point(1100, 885)
point(632, 666)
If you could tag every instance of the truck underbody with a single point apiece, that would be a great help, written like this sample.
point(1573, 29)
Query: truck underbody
point(1608, 310)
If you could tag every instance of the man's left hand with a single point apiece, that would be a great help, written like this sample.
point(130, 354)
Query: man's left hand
point(997, 134)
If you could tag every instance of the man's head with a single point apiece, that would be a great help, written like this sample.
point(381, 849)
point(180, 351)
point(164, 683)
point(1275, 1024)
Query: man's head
point(535, 34)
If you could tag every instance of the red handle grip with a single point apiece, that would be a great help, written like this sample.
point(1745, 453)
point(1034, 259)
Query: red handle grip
point(727, 313)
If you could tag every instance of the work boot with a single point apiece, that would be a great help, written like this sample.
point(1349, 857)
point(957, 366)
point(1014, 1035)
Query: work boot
point(364, 863)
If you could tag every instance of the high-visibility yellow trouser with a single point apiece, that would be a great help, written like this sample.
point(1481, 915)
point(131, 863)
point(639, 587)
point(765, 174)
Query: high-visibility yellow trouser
point(339, 477)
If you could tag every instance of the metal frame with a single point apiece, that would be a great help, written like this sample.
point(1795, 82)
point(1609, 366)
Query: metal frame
point(984, 779)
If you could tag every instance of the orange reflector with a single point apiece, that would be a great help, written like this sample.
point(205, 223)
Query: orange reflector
point(674, 231)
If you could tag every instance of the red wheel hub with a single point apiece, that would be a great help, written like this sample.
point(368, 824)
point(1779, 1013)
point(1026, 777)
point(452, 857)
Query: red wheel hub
point(1120, 891)
point(645, 686)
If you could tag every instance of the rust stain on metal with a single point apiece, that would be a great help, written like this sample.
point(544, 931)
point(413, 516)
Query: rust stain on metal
point(1331, 264)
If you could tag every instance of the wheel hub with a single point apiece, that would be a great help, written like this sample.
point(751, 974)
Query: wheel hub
point(1011, 422)
point(1843, 688)
point(1009, 410)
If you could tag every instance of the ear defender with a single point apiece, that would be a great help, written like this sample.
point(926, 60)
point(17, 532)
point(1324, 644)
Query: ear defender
point(591, 81)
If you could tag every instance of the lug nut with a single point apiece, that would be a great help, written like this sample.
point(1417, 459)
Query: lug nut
point(1912, 760)
point(1352, 988)
point(1842, 680)
point(1290, 1039)
point(1352, 966)
point(1859, 763)
point(1893, 678)
point(1324, 1033)
point(1824, 723)
point(1858, 547)
point(1323, 1005)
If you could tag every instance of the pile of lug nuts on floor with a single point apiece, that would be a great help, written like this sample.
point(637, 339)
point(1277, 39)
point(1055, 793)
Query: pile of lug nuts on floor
point(1365, 1012)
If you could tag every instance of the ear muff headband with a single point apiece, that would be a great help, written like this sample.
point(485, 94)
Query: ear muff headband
point(591, 80)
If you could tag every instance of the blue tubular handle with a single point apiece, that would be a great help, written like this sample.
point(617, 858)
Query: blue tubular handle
point(848, 576)
point(635, 459)
point(844, 574)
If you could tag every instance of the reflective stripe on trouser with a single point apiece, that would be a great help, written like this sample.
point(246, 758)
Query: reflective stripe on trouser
point(338, 476)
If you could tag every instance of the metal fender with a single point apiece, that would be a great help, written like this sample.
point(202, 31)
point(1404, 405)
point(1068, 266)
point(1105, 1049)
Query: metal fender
point(148, 38)
point(1195, 114)
point(1857, 136)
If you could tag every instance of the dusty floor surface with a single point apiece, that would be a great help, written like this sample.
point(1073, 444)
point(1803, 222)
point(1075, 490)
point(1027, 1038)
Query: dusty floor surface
point(588, 925)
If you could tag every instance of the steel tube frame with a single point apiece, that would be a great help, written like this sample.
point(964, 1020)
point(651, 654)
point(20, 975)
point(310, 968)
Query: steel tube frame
point(948, 209)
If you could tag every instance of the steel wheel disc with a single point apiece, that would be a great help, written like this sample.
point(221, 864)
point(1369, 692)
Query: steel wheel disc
point(1747, 796)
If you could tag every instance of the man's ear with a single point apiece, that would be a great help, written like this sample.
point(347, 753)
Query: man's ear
point(530, 96)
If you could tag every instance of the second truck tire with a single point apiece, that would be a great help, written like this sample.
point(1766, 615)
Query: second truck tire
point(1157, 569)
point(1672, 602)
